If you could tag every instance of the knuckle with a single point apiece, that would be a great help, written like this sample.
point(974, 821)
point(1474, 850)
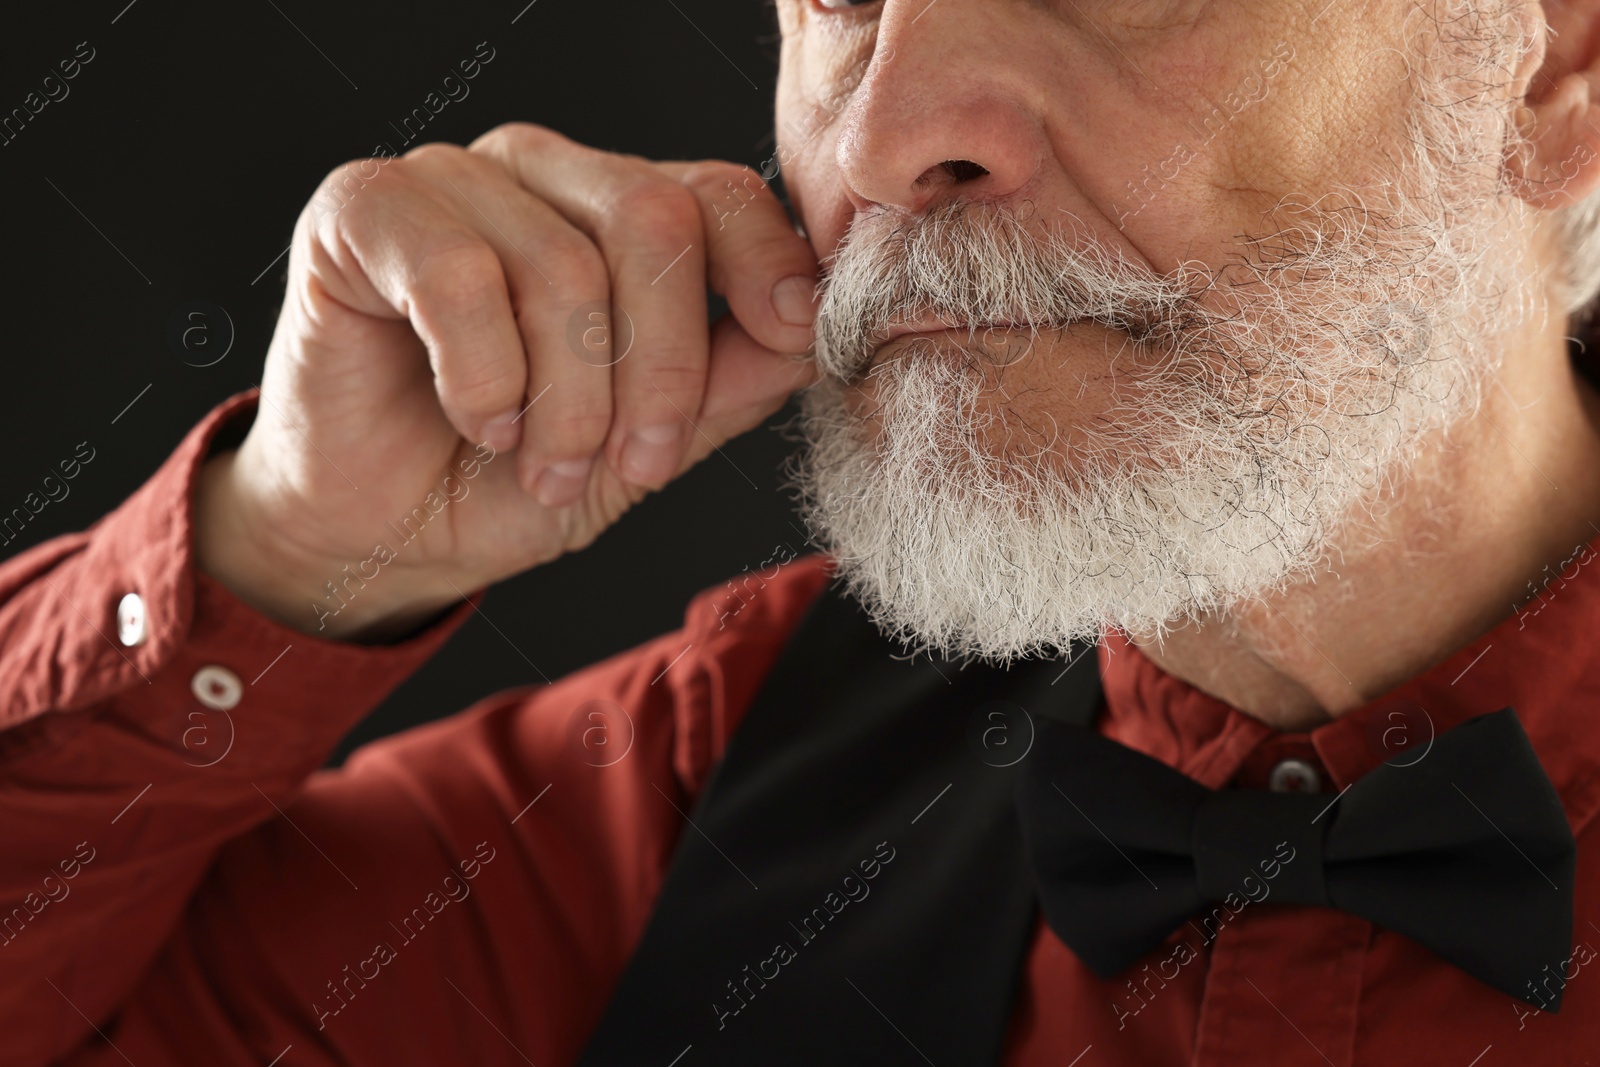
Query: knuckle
point(458, 276)
point(677, 376)
point(714, 177)
point(347, 173)
point(343, 185)
point(577, 427)
point(436, 154)
point(656, 207)
point(516, 135)
point(577, 271)
point(478, 390)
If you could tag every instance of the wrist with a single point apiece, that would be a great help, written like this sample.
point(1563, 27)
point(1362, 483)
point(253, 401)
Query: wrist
point(271, 573)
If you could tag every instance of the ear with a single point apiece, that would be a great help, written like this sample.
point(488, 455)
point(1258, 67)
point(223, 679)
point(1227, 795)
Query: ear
point(1558, 83)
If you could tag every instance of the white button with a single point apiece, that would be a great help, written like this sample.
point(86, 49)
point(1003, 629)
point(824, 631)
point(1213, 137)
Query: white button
point(216, 687)
point(1294, 776)
point(131, 620)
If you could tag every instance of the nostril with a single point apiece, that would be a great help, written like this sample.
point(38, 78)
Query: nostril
point(963, 170)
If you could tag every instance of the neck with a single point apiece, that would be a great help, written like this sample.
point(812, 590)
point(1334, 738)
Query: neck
point(1511, 491)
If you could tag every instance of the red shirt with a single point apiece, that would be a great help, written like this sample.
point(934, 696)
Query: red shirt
point(181, 885)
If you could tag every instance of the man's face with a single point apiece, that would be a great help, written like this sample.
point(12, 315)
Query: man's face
point(1079, 106)
point(1252, 254)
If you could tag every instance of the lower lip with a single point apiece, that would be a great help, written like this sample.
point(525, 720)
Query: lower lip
point(980, 331)
point(890, 349)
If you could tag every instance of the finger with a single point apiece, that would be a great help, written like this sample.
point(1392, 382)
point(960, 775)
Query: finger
point(648, 228)
point(555, 273)
point(747, 382)
point(396, 252)
point(766, 271)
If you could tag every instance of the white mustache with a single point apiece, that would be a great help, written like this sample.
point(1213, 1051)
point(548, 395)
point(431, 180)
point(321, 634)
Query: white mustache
point(978, 267)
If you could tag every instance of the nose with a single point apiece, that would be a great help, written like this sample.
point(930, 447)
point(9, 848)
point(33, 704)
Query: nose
point(939, 114)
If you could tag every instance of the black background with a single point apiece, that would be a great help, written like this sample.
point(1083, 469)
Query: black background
point(173, 172)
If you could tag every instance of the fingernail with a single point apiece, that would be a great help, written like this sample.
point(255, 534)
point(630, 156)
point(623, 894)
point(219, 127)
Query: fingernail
point(561, 483)
point(794, 299)
point(650, 455)
point(502, 431)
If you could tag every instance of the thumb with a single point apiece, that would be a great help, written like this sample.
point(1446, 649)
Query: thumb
point(747, 381)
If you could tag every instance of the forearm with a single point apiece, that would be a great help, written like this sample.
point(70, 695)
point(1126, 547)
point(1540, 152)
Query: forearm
point(118, 780)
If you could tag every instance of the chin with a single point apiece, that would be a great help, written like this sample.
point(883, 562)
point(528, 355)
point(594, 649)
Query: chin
point(1064, 402)
point(978, 515)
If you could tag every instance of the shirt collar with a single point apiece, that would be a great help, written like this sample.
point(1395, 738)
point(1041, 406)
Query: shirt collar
point(1541, 661)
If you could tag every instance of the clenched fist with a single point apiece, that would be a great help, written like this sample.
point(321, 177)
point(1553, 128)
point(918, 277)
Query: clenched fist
point(526, 308)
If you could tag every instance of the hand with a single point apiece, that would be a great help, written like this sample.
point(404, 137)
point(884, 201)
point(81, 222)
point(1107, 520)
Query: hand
point(485, 356)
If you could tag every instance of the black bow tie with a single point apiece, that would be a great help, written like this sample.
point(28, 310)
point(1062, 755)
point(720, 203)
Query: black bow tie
point(1466, 851)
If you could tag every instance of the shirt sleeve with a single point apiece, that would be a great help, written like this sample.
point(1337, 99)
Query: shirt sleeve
point(183, 890)
point(117, 783)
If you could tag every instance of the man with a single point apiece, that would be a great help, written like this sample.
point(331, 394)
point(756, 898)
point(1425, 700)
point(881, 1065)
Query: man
point(1230, 336)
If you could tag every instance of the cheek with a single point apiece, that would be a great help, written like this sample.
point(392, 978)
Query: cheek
point(1320, 123)
point(822, 64)
point(1302, 113)
point(1291, 113)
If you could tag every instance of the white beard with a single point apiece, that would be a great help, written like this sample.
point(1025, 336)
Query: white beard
point(1278, 400)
